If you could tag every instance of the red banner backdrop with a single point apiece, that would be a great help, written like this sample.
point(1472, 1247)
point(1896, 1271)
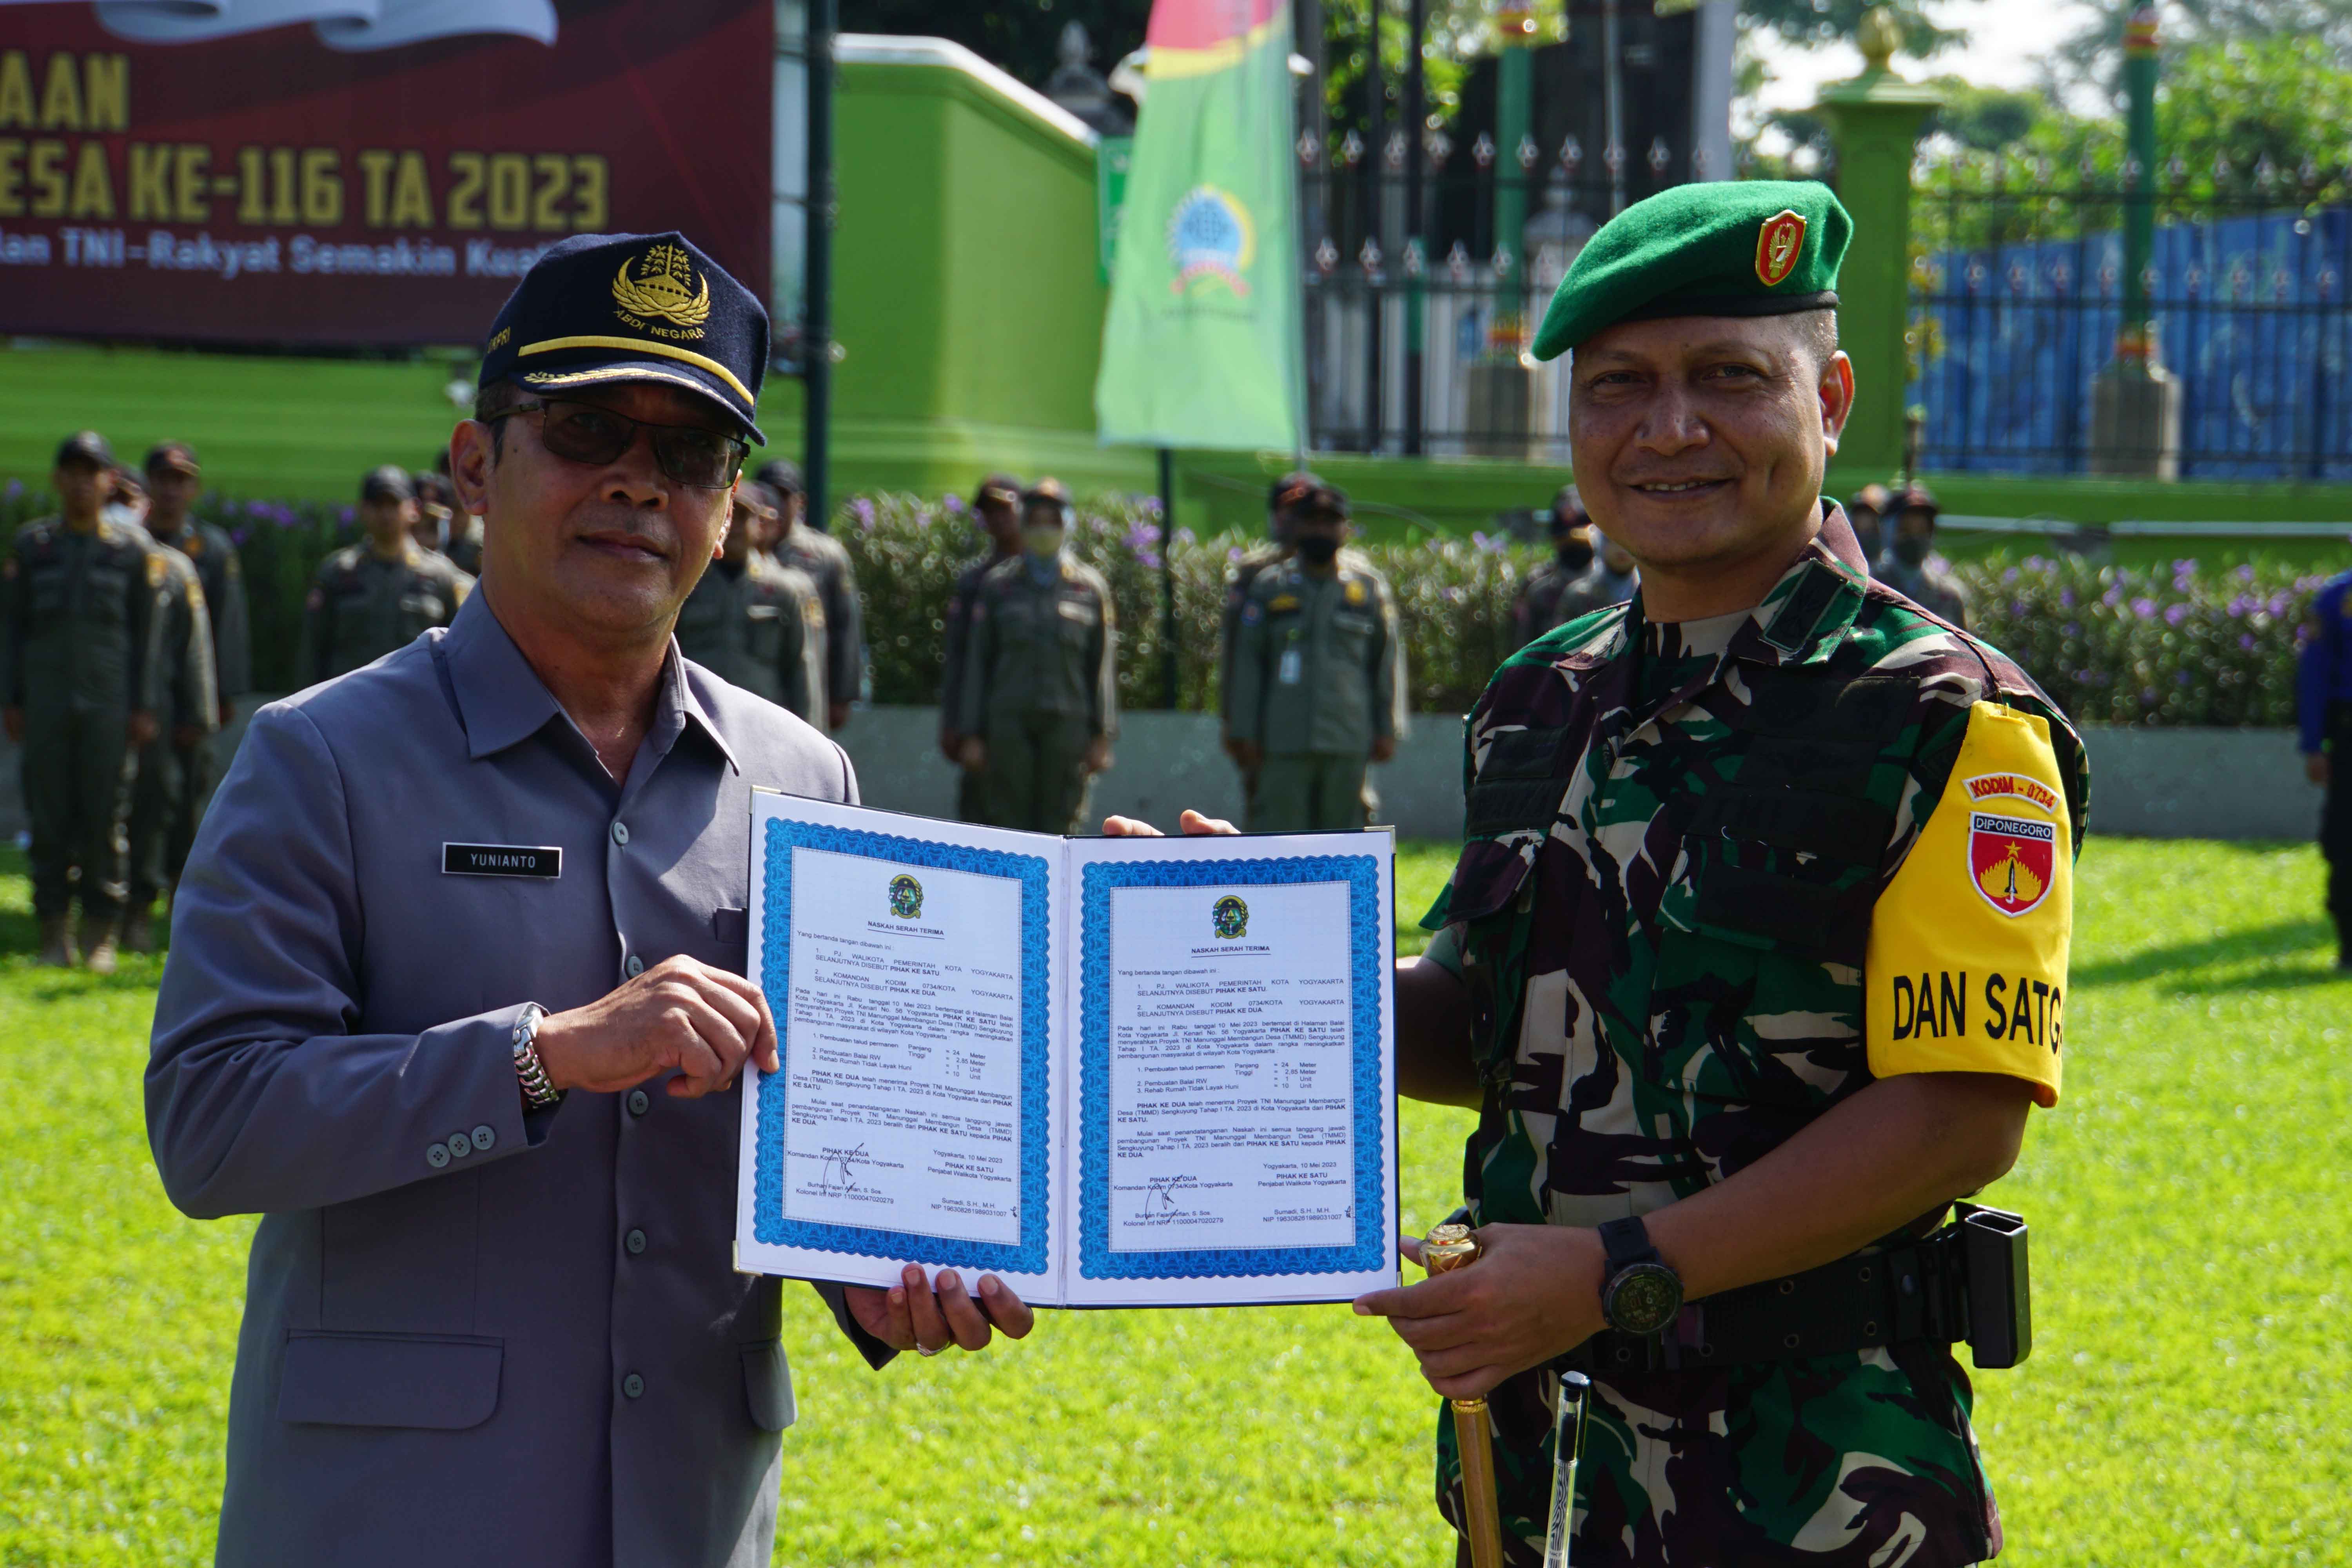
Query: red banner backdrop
point(289, 184)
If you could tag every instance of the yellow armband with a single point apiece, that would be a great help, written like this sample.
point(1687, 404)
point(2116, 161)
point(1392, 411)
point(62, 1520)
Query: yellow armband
point(1967, 965)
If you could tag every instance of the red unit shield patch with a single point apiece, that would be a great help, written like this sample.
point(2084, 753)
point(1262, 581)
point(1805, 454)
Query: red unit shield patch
point(2012, 860)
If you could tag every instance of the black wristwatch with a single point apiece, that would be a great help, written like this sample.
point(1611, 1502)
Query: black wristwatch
point(1641, 1294)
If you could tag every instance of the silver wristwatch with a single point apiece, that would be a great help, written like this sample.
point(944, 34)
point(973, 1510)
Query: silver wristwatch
point(538, 1094)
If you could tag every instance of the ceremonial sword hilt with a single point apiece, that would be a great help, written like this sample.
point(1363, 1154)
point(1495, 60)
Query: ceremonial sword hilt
point(1444, 1249)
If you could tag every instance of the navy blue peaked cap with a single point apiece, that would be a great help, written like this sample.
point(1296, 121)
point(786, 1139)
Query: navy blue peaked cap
point(602, 309)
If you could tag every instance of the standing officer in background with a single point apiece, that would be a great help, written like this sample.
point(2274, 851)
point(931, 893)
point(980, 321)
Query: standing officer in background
point(167, 806)
point(2323, 711)
point(827, 561)
point(181, 644)
point(79, 680)
point(755, 623)
point(1566, 586)
point(1283, 495)
point(1040, 700)
point(996, 509)
point(1867, 514)
point(1913, 569)
point(456, 1003)
point(381, 594)
point(462, 537)
point(1318, 688)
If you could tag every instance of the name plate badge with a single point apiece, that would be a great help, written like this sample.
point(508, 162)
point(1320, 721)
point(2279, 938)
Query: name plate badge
point(502, 859)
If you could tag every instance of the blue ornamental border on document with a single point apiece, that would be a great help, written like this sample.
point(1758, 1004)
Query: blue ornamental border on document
point(768, 1223)
point(1370, 1249)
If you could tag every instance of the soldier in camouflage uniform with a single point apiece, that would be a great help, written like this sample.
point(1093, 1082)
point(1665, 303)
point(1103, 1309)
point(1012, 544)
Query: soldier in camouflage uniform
point(380, 594)
point(756, 622)
point(1318, 681)
point(827, 561)
point(1912, 567)
point(79, 682)
point(1566, 586)
point(1753, 961)
point(176, 772)
point(1040, 700)
point(996, 509)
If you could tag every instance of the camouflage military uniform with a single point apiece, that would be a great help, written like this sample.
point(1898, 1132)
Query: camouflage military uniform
point(194, 771)
point(1931, 585)
point(760, 626)
point(1661, 915)
point(1318, 676)
point(1041, 683)
point(955, 649)
point(80, 660)
point(363, 606)
point(183, 643)
point(1553, 596)
point(826, 559)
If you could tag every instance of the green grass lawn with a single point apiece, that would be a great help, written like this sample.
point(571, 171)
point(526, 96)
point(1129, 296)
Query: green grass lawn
point(2183, 1403)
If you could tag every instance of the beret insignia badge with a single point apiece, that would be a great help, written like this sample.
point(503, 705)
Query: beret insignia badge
point(1778, 245)
point(663, 291)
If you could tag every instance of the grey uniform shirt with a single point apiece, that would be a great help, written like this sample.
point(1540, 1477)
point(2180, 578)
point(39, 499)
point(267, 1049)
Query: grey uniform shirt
point(473, 1335)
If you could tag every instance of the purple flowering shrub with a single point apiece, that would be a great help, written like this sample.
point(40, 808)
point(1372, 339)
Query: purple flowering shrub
point(2156, 645)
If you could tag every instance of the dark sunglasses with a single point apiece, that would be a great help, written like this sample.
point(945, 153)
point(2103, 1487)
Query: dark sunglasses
point(589, 433)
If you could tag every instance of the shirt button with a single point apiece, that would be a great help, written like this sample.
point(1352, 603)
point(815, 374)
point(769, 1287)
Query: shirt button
point(485, 1135)
point(621, 833)
point(436, 1155)
point(459, 1145)
point(634, 967)
point(633, 1385)
point(636, 1242)
point(638, 1102)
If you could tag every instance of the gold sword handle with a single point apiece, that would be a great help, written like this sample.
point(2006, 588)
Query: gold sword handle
point(1447, 1248)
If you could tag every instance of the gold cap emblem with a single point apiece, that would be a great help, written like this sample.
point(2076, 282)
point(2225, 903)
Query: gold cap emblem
point(1778, 245)
point(665, 289)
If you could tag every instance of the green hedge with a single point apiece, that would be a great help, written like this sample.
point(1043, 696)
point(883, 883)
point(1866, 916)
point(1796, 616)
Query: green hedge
point(2152, 645)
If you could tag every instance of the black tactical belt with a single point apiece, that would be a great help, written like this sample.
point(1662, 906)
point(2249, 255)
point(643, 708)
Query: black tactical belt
point(1965, 1283)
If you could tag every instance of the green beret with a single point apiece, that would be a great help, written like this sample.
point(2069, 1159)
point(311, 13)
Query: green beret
point(1729, 248)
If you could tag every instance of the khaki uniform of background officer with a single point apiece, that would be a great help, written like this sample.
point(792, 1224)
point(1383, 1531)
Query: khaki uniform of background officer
point(797, 542)
point(996, 511)
point(176, 772)
point(382, 593)
point(1040, 701)
point(1319, 678)
point(78, 677)
point(755, 622)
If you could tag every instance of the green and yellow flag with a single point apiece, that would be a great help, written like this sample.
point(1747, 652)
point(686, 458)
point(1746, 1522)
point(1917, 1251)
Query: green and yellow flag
point(1201, 345)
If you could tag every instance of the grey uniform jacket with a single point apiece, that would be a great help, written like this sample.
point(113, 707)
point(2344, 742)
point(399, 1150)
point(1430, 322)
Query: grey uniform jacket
point(473, 1335)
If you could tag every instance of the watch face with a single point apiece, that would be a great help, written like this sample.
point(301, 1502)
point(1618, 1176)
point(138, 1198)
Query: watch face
point(1644, 1299)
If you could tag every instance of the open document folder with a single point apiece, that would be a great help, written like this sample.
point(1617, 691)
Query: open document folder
point(1111, 1071)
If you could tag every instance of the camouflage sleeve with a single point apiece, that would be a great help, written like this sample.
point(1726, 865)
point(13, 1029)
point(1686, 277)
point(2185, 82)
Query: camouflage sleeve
point(232, 634)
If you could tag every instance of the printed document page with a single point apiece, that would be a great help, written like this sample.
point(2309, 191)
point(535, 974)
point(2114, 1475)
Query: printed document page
point(910, 967)
point(1234, 1088)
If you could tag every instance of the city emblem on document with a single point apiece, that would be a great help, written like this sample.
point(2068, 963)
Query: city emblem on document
point(1210, 236)
point(1231, 917)
point(906, 897)
point(2012, 856)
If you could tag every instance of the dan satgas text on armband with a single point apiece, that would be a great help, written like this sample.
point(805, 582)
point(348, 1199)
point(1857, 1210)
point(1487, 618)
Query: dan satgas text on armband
point(1935, 1005)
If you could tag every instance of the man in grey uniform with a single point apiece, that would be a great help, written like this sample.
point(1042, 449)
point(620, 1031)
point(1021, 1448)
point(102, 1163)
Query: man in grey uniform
point(455, 1003)
point(1319, 678)
point(996, 511)
point(827, 561)
point(755, 622)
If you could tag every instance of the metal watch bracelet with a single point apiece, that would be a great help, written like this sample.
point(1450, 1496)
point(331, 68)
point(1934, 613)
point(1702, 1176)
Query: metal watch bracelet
point(538, 1093)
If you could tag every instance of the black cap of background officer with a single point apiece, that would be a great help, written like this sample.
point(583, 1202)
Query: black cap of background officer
point(1571, 527)
point(1865, 512)
point(1283, 498)
point(1320, 502)
point(86, 448)
point(997, 489)
point(604, 310)
point(389, 482)
point(784, 476)
point(174, 457)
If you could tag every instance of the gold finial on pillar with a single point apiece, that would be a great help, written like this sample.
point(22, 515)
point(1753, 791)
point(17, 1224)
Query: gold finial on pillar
point(1880, 35)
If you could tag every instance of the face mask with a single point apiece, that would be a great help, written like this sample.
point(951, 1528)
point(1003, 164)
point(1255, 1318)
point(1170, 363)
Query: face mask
point(1575, 557)
point(1866, 534)
point(1042, 542)
point(1317, 550)
point(1912, 548)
